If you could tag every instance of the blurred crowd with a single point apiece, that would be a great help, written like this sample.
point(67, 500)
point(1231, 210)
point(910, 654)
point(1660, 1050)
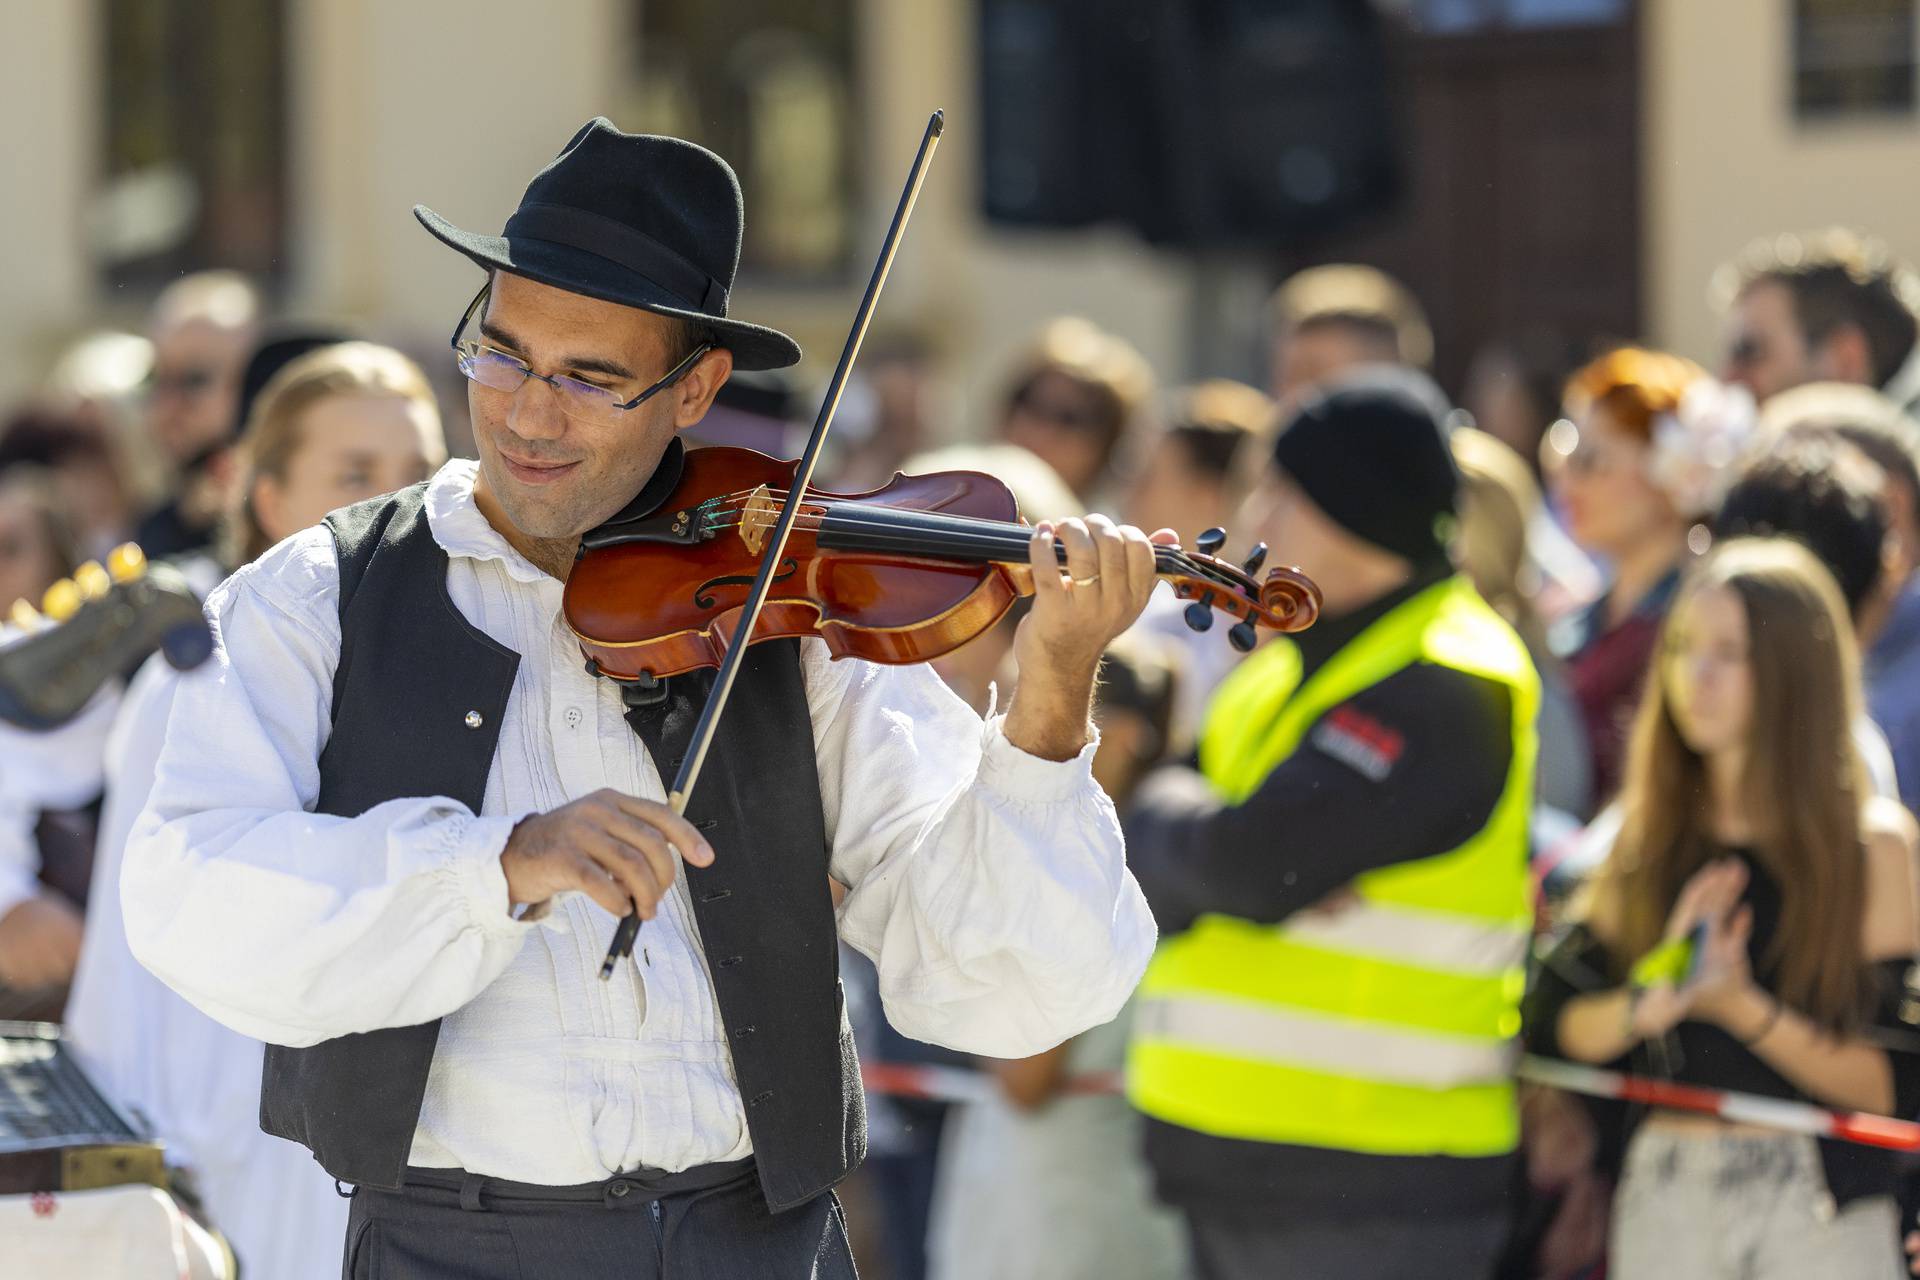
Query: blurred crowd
point(1606, 742)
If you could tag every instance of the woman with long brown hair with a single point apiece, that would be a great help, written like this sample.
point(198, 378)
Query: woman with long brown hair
point(1750, 931)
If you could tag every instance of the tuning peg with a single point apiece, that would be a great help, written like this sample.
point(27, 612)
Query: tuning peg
point(92, 580)
point(1242, 636)
point(1210, 541)
point(127, 562)
point(1199, 616)
point(1257, 558)
point(24, 615)
point(62, 601)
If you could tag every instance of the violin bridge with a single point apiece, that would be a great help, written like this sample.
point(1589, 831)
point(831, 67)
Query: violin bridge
point(757, 517)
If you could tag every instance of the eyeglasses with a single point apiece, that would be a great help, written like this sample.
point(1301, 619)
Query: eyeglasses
point(185, 383)
point(1564, 452)
point(1745, 351)
point(1073, 414)
point(581, 401)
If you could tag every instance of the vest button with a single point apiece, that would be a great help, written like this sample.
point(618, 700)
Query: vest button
point(474, 720)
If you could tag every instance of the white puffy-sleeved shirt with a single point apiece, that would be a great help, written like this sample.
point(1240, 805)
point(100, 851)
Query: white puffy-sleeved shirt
point(56, 769)
point(196, 1082)
point(988, 885)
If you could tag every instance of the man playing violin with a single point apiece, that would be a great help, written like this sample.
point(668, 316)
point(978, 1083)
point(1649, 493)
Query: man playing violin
point(396, 817)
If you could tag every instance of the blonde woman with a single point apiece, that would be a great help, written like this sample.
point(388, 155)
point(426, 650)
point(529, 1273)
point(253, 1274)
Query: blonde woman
point(1749, 932)
point(1498, 501)
point(341, 424)
point(1074, 394)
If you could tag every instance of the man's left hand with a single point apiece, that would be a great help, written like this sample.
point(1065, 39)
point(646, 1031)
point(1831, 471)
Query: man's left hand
point(39, 943)
point(1077, 611)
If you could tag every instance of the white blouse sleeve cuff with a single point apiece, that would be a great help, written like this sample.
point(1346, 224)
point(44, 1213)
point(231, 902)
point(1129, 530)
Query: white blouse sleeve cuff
point(1021, 776)
point(482, 882)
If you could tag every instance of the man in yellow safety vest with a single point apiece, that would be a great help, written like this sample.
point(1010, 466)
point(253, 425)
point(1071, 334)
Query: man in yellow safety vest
point(1324, 1043)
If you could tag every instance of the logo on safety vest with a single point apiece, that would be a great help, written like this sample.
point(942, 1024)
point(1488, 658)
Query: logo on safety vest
point(1360, 742)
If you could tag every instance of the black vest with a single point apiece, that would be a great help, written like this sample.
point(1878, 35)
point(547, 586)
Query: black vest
point(412, 672)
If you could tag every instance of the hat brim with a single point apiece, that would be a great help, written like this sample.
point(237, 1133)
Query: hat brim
point(563, 267)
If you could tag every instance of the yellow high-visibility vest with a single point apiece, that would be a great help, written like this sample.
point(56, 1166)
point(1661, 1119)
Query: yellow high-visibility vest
point(1389, 1026)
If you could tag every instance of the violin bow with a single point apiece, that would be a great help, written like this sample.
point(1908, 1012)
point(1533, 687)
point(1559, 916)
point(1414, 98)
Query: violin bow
point(689, 773)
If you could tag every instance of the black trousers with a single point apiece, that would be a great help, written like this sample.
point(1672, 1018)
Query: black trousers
point(709, 1223)
point(1411, 1247)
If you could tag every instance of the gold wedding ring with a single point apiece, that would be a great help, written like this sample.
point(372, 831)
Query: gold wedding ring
point(1087, 581)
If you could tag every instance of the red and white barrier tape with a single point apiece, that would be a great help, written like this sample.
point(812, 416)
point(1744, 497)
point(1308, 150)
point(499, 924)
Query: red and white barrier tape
point(1740, 1108)
point(957, 1084)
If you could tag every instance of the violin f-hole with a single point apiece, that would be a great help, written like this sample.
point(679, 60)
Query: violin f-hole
point(702, 594)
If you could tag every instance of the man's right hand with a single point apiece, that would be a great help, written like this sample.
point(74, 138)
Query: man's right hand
point(616, 849)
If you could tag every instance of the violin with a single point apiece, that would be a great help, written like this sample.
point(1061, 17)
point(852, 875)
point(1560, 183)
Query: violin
point(726, 547)
point(900, 574)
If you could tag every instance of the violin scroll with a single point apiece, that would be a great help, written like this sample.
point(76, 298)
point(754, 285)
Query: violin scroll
point(1291, 596)
point(1287, 600)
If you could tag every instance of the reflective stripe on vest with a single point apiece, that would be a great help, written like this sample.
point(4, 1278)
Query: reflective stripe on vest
point(1387, 1026)
point(1426, 939)
point(1317, 1042)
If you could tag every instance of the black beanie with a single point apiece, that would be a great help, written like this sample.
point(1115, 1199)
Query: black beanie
point(1370, 450)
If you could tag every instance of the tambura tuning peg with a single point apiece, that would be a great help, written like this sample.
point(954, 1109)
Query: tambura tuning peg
point(62, 601)
point(1210, 541)
point(126, 562)
point(1243, 637)
point(1255, 559)
point(92, 580)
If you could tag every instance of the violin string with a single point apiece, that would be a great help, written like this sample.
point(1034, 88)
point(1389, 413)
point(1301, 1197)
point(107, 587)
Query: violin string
point(1017, 536)
point(737, 501)
point(1167, 560)
point(1010, 541)
point(1010, 536)
point(1022, 532)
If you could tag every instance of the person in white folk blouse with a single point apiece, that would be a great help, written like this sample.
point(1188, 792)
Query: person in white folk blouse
point(336, 426)
point(395, 820)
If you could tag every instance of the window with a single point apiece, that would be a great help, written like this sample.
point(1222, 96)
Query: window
point(193, 172)
point(771, 88)
point(1449, 17)
point(1853, 57)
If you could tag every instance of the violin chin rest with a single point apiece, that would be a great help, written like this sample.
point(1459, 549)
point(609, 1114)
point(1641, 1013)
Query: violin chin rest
point(658, 488)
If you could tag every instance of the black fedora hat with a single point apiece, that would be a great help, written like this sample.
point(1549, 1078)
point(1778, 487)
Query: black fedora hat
point(637, 219)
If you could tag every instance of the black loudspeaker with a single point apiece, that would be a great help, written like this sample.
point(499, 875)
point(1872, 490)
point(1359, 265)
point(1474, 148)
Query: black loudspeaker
point(1198, 122)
